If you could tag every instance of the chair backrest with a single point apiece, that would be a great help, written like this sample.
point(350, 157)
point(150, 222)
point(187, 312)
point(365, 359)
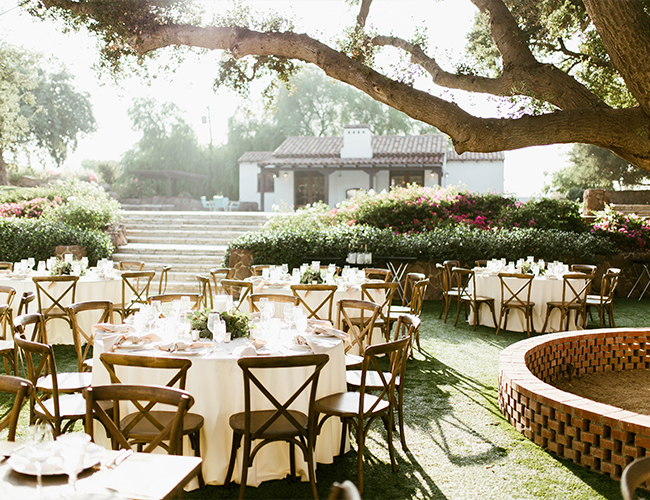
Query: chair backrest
point(634, 475)
point(36, 321)
point(445, 269)
point(409, 282)
point(464, 280)
point(146, 399)
point(515, 289)
point(39, 361)
point(397, 352)
point(21, 389)
point(369, 292)
point(583, 268)
point(254, 369)
point(99, 311)
point(7, 294)
point(258, 269)
point(277, 298)
point(357, 317)
point(417, 297)
point(136, 285)
point(53, 303)
point(195, 299)
point(406, 326)
point(346, 490)
point(481, 263)
point(375, 273)
point(575, 287)
point(317, 300)
point(5, 317)
point(26, 298)
point(238, 290)
point(218, 274)
point(608, 284)
point(162, 286)
point(7, 266)
point(130, 265)
point(176, 368)
point(205, 290)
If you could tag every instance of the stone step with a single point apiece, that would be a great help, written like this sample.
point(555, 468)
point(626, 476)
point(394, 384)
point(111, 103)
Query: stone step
point(189, 239)
point(199, 217)
point(167, 249)
point(173, 227)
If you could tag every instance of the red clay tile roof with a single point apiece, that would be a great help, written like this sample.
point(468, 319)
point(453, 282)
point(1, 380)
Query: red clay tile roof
point(387, 150)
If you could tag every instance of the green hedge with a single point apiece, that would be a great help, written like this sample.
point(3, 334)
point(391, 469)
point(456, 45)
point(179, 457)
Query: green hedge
point(294, 246)
point(24, 238)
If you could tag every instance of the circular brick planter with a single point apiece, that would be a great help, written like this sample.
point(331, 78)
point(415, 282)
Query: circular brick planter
point(599, 436)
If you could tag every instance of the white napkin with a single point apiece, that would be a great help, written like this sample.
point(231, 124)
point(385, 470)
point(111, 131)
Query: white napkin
point(245, 351)
point(331, 332)
point(183, 346)
point(319, 346)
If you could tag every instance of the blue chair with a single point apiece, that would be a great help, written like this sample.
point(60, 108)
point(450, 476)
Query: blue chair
point(207, 204)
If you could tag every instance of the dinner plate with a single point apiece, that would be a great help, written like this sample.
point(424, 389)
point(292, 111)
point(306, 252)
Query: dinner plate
point(197, 351)
point(130, 346)
point(20, 462)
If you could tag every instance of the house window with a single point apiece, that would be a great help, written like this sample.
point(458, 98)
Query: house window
point(400, 178)
point(353, 192)
point(309, 187)
point(266, 182)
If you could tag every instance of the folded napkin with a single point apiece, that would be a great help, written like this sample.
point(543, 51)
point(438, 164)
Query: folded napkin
point(245, 351)
point(319, 322)
point(331, 332)
point(319, 346)
point(183, 346)
point(110, 342)
point(110, 328)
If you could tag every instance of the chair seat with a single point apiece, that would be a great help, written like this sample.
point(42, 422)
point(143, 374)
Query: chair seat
point(575, 305)
point(478, 298)
point(346, 404)
point(373, 381)
point(399, 310)
point(6, 345)
point(70, 406)
point(352, 360)
point(67, 382)
point(279, 429)
point(595, 300)
point(145, 430)
point(518, 306)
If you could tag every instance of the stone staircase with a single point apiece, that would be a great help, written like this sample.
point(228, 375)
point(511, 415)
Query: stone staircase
point(642, 211)
point(191, 242)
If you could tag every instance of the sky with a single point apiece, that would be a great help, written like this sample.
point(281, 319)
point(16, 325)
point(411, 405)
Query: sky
point(190, 86)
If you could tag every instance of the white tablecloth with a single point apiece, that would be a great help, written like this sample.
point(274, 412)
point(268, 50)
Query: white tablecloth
point(88, 288)
point(217, 385)
point(543, 290)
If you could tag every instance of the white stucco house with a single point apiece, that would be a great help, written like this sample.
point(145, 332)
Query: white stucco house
point(304, 170)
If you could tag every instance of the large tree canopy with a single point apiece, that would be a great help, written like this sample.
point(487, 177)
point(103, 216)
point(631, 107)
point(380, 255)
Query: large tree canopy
point(581, 67)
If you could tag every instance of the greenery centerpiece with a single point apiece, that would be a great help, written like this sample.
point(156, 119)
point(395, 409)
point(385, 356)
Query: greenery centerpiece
point(237, 323)
point(63, 268)
point(310, 276)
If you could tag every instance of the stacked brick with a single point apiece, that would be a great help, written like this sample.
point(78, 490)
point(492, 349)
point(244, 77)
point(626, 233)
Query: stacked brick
point(598, 436)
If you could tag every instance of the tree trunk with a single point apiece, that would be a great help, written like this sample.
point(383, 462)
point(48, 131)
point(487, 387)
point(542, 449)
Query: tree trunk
point(4, 178)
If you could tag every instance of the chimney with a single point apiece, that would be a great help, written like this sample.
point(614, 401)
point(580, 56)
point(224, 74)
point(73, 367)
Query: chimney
point(357, 141)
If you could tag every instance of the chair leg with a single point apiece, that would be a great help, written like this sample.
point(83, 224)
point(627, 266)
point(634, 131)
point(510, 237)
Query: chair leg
point(292, 461)
point(195, 443)
point(400, 417)
point(236, 441)
point(311, 463)
point(360, 444)
point(245, 465)
point(443, 306)
point(611, 315)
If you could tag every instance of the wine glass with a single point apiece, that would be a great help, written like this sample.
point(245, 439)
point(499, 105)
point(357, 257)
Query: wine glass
point(217, 327)
point(39, 449)
point(288, 315)
point(72, 451)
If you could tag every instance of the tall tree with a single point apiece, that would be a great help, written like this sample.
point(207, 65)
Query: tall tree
point(38, 110)
point(597, 93)
point(594, 167)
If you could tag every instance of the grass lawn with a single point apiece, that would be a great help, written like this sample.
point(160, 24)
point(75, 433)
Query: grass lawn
point(460, 446)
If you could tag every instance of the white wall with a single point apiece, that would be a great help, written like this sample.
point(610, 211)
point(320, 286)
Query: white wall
point(382, 181)
point(430, 181)
point(248, 182)
point(341, 181)
point(479, 177)
point(283, 190)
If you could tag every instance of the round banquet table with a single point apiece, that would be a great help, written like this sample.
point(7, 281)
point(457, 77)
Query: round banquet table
point(216, 382)
point(89, 287)
point(543, 289)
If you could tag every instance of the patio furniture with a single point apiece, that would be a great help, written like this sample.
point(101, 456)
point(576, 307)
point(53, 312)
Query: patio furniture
point(575, 288)
point(21, 389)
point(515, 295)
point(604, 302)
point(464, 279)
point(321, 308)
point(101, 311)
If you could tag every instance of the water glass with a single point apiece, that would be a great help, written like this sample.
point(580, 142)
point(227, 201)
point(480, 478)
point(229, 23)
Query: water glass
point(41, 266)
point(39, 449)
point(31, 262)
point(288, 315)
point(72, 452)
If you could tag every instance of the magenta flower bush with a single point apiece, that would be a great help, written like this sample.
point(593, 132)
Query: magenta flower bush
point(29, 209)
point(628, 232)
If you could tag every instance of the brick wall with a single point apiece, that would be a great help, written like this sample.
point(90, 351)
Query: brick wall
point(598, 436)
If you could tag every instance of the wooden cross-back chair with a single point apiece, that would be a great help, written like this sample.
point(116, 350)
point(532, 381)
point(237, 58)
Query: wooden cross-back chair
point(239, 290)
point(635, 474)
point(449, 291)
point(254, 300)
point(414, 307)
point(162, 285)
point(369, 292)
point(205, 289)
point(52, 304)
point(359, 409)
point(323, 309)
point(21, 389)
point(7, 294)
point(57, 398)
point(515, 295)
point(280, 423)
point(7, 351)
point(357, 318)
point(130, 265)
point(218, 274)
point(376, 273)
point(604, 301)
point(168, 434)
point(575, 288)
point(196, 299)
point(95, 311)
point(258, 269)
point(6, 266)
point(135, 291)
point(405, 327)
point(143, 429)
point(465, 281)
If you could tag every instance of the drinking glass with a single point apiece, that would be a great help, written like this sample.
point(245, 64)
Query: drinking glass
point(41, 266)
point(288, 315)
point(72, 452)
point(39, 449)
point(31, 262)
point(217, 327)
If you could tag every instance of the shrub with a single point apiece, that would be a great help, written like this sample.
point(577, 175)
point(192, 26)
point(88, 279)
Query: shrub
point(24, 238)
point(546, 214)
point(627, 232)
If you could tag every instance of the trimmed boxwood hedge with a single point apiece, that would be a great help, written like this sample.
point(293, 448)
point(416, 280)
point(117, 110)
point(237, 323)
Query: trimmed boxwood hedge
point(24, 238)
point(294, 246)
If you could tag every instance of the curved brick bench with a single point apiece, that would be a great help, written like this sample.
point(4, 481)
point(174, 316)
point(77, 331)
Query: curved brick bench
point(599, 436)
